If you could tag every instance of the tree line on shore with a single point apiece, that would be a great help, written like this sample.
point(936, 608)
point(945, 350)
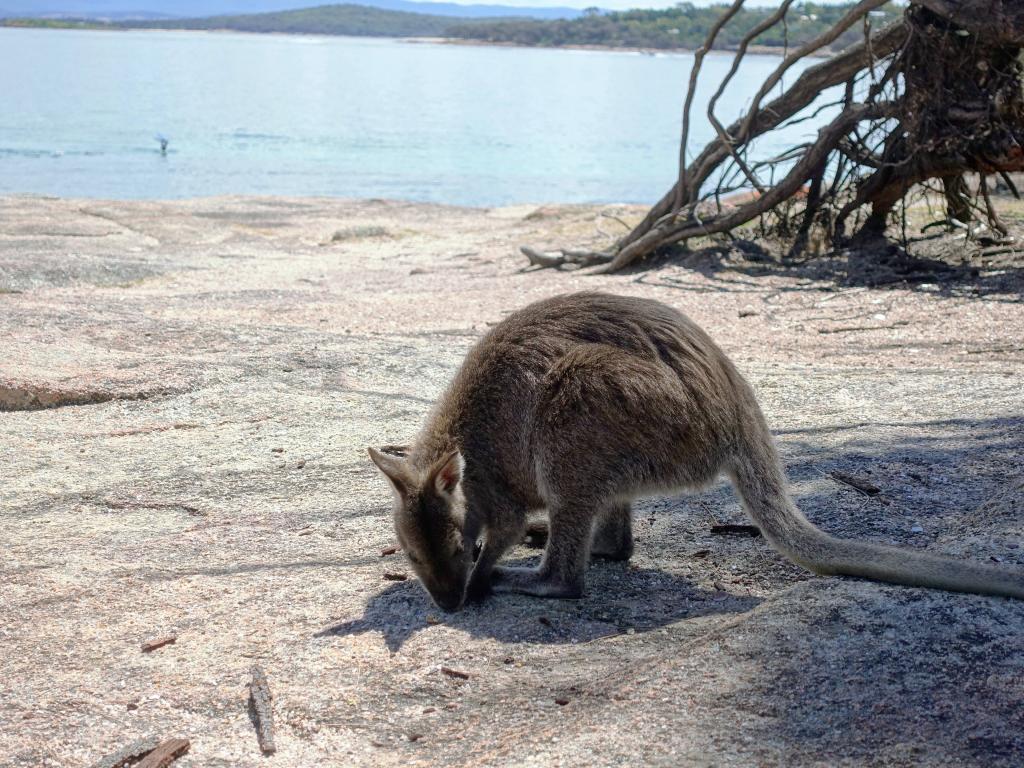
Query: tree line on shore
point(682, 27)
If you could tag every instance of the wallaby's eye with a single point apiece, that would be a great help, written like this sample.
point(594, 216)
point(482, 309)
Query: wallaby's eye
point(412, 558)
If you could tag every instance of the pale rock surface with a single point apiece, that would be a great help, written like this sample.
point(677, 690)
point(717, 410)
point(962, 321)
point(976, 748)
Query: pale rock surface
point(187, 392)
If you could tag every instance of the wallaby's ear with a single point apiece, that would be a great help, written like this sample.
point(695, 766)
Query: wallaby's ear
point(394, 469)
point(447, 473)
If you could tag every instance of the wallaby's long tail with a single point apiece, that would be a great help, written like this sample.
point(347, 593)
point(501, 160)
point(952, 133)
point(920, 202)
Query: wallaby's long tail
point(761, 484)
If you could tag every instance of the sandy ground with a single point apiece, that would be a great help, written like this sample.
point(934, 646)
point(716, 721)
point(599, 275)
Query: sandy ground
point(187, 392)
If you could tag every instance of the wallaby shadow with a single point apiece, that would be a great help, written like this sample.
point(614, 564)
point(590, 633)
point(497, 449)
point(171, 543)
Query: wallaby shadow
point(913, 463)
point(620, 598)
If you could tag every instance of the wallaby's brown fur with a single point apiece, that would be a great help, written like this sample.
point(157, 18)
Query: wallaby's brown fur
point(578, 404)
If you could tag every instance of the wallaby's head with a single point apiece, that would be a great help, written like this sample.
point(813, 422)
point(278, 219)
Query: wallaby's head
point(429, 512)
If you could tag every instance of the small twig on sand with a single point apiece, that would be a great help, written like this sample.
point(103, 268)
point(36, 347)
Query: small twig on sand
point(853, 328)
point(728, 528)
point(262, 715)
point(129, 754)
point(158, 642)
point(863, 486)
point(165, 754)
point(995, 350)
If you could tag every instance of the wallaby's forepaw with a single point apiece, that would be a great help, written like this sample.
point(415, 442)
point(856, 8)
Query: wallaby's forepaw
point(530, 581)
point(478, 589)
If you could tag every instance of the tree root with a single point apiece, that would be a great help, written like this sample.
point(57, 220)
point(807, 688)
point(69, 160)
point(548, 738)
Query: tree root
point(564, 257)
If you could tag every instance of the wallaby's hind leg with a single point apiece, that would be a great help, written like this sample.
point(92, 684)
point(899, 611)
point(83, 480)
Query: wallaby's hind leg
point(563, 569)
point(613, 533)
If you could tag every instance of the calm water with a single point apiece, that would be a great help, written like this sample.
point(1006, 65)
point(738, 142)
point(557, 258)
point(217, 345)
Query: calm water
point(350, 117)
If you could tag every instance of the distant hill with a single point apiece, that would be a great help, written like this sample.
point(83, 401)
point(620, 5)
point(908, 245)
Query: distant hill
point(121, 9)
point(356, 20)
point(348, 19)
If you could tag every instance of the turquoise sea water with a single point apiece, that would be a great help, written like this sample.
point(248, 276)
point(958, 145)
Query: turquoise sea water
point(350, 117)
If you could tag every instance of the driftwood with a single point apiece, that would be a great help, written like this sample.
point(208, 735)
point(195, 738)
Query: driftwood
point(260, 711)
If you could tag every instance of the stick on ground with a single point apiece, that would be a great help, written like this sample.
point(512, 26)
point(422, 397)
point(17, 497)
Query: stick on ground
point(260, 711)
point(158, 642)
point(456, 673)
point(728, 528)
point(165, 754)
point(869, 489)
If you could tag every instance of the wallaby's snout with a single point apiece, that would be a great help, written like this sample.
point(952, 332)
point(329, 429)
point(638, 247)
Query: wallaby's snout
point(449, 603)
point(446, 586)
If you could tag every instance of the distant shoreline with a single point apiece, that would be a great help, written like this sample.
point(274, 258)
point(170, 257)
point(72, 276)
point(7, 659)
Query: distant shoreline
point(762, 50)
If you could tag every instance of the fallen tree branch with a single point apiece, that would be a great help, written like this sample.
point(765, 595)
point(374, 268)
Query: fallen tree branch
point(922, 99)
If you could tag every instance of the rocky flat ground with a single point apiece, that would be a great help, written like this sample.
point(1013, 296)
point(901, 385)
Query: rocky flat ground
point(186, 393)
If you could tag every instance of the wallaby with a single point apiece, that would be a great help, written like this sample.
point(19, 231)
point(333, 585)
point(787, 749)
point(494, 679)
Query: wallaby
point(578, 404)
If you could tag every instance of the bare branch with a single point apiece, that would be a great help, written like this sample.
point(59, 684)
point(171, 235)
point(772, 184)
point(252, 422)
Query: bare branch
point(698, 59)
point(811, 82)
point(741, 51)
point(802, 170)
